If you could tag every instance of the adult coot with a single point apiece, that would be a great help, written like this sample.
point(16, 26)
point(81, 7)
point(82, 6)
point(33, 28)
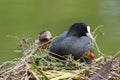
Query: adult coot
point(75, 41)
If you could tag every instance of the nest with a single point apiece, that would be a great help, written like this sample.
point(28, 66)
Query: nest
point(37, 64)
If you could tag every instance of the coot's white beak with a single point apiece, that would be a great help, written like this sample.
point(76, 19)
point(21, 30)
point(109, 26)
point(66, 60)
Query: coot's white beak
point(89, 34)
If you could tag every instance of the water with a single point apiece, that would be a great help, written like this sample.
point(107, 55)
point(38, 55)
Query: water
point(26, 18)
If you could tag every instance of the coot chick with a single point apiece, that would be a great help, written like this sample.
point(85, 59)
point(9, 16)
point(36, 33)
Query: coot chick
point(75, 41)
point(43, 40)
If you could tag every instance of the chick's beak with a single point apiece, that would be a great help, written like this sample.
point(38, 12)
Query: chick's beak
point(92, 56)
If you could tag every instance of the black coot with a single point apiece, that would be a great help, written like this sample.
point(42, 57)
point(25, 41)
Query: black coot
point(76, 41)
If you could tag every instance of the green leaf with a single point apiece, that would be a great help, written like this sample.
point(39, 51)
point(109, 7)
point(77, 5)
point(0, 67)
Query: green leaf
point(118, 78)
point(105, 56)
point(18, 51)
point(64, 76)
point(41, 72)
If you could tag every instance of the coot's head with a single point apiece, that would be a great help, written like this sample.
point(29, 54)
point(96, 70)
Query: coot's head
point(79, 30)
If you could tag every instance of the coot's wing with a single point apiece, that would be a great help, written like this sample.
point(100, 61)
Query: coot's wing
point(54, 49)
point(60, 38)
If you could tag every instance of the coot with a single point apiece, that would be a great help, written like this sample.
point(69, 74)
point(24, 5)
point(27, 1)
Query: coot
point(76, 41)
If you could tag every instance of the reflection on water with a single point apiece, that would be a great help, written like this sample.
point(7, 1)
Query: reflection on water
point(27, 18)
point(110, 10)
point(110, 13)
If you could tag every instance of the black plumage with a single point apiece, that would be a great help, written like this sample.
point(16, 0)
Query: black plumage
point(74, 41)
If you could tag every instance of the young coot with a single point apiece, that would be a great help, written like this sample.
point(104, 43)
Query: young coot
point(43, 40)
point(76, 41)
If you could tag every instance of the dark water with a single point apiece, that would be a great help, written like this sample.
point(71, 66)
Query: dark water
point(26, 18)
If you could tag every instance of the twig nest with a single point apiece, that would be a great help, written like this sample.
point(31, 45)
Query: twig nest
point(43, 40)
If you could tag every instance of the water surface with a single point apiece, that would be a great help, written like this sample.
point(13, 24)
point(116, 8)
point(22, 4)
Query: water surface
point(26, 18)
